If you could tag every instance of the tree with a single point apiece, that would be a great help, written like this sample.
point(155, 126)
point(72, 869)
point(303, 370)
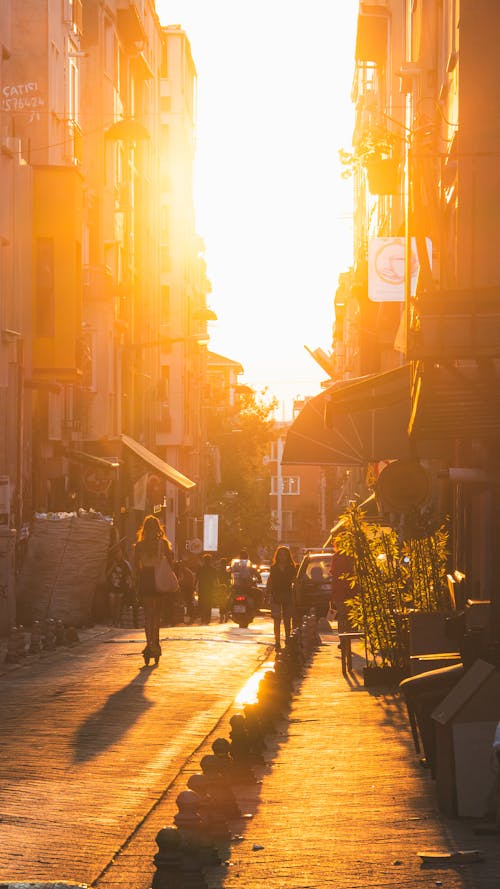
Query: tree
point(239, 483)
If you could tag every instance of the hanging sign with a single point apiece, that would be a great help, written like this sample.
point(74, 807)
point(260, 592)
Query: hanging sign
point(386, 268)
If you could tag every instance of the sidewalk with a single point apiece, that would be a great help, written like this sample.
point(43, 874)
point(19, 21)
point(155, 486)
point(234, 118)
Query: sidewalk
point(344, 802)
point(85, 634)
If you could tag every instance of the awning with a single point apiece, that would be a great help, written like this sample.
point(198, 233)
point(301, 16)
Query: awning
point(353, 423)
point(84, 457)
point(159, 465)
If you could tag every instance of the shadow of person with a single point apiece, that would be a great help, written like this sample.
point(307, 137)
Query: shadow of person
point(111, 722)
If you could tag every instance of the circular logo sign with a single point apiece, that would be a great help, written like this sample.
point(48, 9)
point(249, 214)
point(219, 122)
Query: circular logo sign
point(403, 485)
point(195, 546)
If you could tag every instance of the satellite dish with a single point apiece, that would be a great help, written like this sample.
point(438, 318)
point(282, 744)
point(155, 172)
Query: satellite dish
point(403, 485)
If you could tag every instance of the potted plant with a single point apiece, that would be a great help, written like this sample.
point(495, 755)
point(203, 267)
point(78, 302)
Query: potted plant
point(375, 152)
point(393, 576)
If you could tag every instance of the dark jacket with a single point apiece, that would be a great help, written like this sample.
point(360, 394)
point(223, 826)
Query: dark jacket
point(280, 584)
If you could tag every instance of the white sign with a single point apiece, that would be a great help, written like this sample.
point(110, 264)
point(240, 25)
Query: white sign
point(386, 268)
point(210, 533)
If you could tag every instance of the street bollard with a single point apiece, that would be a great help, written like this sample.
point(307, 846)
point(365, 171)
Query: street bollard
point(287, 670)
point(190, 873)
point(219, 788)
point(189, 823)
point(242, 754)
point(273, 702)
point(254, 727)
point(49, 634)
point(36, 643)
point(21, 642)
point(294, 650)
point(222, 752)
point(71, 635)
point(12, 653)
point(214, 824)
point(60, 633)
point(167, 860)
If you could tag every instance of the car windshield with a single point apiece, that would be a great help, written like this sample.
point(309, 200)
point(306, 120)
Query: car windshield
point(318, 567)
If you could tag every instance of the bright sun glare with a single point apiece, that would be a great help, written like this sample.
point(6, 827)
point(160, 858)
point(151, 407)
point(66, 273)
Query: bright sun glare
point(273, 110)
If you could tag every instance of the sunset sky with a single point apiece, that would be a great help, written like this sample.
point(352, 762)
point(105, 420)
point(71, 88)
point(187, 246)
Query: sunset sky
point(274, 83)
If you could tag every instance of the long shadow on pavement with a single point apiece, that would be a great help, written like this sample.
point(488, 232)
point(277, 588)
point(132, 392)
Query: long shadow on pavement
point(112, 721)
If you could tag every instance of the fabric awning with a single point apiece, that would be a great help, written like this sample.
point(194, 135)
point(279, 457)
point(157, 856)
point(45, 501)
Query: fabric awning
point(354, 422)
point(84, 457)
point(159, 465)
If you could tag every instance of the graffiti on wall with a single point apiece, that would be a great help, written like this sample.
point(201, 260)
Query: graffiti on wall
point(24, 97)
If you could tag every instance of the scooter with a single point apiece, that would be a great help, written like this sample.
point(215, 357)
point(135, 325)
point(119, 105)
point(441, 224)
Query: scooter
point(242, 608)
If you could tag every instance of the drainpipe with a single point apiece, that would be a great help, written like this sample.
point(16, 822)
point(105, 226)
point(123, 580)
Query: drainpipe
point(279, 488)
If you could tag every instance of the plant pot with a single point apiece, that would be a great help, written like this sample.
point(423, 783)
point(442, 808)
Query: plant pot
point(387, 676)
point(383, 176)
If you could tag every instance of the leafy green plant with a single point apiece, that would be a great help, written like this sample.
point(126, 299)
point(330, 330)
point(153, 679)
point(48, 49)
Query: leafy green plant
point(377, 143)
point(391, 578)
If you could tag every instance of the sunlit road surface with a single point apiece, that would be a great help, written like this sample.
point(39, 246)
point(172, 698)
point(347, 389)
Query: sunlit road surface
point(90, 739)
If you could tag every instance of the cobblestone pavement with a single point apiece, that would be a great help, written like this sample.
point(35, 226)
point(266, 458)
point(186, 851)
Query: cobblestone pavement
point(90, 739)
point(343, 803)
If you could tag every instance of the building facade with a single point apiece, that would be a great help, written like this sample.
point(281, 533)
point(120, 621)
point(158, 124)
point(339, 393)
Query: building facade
point(104, 285)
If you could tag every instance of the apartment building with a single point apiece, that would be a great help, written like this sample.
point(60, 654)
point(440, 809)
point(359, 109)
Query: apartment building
point(104, 316)
point(416, 345)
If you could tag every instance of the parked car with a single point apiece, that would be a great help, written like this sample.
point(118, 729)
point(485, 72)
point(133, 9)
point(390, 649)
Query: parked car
point(313, 583)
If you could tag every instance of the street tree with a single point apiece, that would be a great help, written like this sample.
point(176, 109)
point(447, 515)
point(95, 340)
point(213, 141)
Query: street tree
point(239, 481)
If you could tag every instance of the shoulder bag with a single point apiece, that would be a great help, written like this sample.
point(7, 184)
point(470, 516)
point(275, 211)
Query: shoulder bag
point(165, 577)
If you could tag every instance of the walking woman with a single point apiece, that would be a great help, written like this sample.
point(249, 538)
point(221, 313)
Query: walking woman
point(151, 546)
point(280, 591)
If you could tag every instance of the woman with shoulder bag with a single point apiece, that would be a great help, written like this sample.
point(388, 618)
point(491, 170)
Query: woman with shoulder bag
point(280, 588)
point(151, 549)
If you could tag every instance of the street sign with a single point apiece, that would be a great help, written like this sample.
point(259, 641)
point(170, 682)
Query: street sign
point(210, 533)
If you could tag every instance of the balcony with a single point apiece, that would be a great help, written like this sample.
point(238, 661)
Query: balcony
point(453, 325)
point(130, 21)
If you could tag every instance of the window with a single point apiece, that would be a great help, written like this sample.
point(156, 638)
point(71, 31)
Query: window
point(290, 484)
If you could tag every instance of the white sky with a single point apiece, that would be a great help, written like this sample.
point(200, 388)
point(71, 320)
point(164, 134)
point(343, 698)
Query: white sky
point(274, 83)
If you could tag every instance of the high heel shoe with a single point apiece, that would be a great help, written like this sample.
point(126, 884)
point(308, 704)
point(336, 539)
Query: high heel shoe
point(146, 653)
point(157, 655)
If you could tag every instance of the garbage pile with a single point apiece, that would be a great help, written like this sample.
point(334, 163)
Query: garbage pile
point(65, 560)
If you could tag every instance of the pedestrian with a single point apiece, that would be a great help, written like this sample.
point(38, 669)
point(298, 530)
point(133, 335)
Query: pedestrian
point(341, 569)
point(223, 589)
point(206, 581)
point(279, 588)
point(152, 545)
point(119, 583)
point(187, 582)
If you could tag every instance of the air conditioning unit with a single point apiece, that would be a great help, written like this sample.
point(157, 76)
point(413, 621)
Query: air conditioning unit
point(11, 145)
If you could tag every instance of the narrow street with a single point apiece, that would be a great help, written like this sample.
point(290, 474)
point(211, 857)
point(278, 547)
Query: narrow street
point(90, 739)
